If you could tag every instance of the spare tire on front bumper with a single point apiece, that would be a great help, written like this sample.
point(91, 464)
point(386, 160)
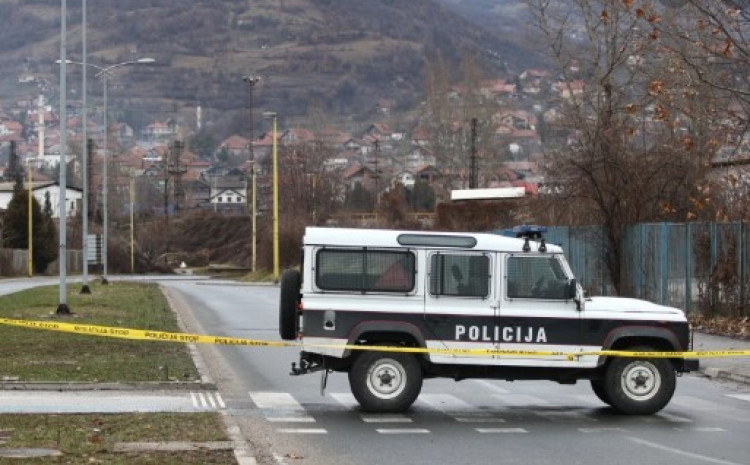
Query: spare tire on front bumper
point(291, 281)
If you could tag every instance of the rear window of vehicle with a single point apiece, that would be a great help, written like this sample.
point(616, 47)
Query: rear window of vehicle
point(365, 270)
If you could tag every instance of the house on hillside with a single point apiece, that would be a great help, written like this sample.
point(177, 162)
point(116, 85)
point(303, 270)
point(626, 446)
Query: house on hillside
point(296, 136)
point(359, 174)
point(358, 146)
point(519, 119)
point(532, 81)
point(419, 156)
point(385, 106)
point(427, 173)
point(10, 128)
point(234, 146)
point(333, 137)
point(498, 89)
point(227, 193)
point(420, 136)
point(568, 90)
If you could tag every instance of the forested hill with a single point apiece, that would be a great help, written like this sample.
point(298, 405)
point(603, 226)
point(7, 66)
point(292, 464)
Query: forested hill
point(348, 54)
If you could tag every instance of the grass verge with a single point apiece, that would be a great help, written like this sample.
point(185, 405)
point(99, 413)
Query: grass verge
point(36, 355)
point(92, 438)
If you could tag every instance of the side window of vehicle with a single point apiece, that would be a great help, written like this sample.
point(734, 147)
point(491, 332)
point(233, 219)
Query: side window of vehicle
point(460, 275)
point(365, 270)
point(535, 278)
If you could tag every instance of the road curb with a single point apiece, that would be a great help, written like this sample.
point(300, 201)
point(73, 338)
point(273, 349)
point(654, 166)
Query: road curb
point(725, 374)
point(243, 451)
point(84, 386)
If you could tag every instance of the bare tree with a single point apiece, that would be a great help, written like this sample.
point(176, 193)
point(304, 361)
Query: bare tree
point(708, 41)
point(453, 99)
point(636, 150)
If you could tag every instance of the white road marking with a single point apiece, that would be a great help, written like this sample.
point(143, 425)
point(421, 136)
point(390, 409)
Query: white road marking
point(745, 397)
point(500, 430)
point(682, 452)
point(302, 431)
point(275, 400)
point(402, 431)
point(603, 430)
point(206, 400)
point(702, 430)
point(386, 418)
point(291, 419)
point(479, 419)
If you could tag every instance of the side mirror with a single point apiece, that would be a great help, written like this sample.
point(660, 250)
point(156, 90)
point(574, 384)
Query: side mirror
point(571, 290)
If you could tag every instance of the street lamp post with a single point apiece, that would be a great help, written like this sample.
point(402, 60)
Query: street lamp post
point(273, 116)
point(255, 218)
point(104, 72)
point(251, 81)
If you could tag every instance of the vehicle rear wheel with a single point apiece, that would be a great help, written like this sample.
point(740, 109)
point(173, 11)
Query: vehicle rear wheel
point(598, 387)
point(385, 382)
point(640, 386)
point(291, 281)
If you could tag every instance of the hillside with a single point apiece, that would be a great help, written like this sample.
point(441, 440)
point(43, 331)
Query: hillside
point(347, 54)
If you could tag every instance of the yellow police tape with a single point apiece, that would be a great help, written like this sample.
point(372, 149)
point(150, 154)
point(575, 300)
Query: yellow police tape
point(187, 338)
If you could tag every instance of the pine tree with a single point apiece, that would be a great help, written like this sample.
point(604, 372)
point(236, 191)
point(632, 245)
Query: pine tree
point(46, 250)
point(16, 228)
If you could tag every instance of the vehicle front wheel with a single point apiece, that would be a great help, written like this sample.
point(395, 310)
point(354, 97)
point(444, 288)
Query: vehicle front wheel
point(640, 386)
point(385, 382)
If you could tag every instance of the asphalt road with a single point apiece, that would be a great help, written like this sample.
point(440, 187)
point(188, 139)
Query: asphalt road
point(286, 420)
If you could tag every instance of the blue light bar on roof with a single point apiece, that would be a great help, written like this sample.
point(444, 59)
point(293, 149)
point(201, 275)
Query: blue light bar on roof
point(530, 231)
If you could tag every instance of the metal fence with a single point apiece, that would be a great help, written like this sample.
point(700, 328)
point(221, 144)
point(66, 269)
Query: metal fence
point(14, 262)
point(699, 267)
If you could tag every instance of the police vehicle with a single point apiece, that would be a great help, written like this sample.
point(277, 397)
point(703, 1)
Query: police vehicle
point(467, 305)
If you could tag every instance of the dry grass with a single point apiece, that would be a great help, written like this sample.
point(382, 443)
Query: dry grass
point(91, 438)
point(37, 355)
point(723, 326)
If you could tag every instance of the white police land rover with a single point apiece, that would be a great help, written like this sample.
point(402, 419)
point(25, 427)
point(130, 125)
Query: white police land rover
point(459, 291)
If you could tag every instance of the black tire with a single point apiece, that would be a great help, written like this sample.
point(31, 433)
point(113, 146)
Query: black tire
point(289, 299)
point(598, 387)
point(385, 382)
point(639, 386)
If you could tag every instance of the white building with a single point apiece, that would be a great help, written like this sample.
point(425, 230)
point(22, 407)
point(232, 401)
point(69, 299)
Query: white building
point(73, 196)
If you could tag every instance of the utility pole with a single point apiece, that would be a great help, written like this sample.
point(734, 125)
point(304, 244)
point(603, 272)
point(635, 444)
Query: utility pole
point(62, 307)
point(165, 162)
point(176, 171)
point(376, 176)
point(473, 168)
